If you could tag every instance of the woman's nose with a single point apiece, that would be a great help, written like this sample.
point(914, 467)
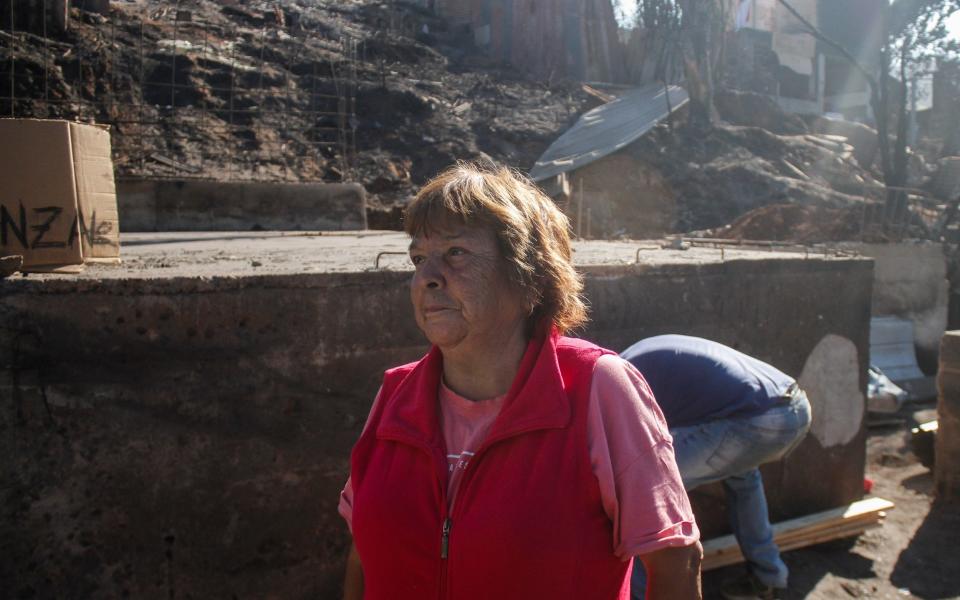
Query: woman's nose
point(429, 274)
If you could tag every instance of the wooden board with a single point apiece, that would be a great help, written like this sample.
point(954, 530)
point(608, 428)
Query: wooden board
point(836, 523)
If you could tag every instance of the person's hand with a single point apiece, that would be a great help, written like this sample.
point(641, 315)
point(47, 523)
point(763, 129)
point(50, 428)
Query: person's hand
point(674, 573)
point(353, 578)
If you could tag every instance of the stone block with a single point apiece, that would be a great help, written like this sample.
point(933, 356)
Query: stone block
point(151, 205)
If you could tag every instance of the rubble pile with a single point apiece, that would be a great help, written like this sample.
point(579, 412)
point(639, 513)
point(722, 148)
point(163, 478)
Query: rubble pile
point(805, 224)
point(736, 169)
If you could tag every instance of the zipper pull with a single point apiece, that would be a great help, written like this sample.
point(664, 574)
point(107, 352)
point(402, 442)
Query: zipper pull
point(445, 538)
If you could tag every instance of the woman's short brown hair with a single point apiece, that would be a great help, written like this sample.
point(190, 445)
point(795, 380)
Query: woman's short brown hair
point(532, 232)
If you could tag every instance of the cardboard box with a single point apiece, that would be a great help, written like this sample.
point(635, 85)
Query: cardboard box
point(58, 200)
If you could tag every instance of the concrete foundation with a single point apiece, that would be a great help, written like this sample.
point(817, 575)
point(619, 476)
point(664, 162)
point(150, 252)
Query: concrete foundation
point(947, 449)
point(187, 205)
point(172, 433)
point(910, 281)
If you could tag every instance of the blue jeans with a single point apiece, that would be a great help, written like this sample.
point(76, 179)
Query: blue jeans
point(730, 450)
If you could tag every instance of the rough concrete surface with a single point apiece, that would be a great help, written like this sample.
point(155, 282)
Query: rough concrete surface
point(185, 205)
point(830, 378)
point(209, 254)
point(180, 425)
point(910, 281)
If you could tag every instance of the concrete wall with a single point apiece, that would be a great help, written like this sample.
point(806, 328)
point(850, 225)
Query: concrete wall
point(910, 281)
point(621, 196)
point(162, 205)
point(197, 431)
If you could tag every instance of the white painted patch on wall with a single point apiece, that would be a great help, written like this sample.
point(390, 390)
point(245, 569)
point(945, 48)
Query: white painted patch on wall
point(831, 378)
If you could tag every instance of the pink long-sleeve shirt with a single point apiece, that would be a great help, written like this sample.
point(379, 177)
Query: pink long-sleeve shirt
point(631, 454)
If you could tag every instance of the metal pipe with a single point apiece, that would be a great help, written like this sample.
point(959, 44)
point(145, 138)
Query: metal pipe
point(376, 262)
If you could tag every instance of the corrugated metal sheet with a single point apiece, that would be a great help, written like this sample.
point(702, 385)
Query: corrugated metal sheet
point(608, 128)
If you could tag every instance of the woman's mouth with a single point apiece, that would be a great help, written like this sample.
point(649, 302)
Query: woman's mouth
point(432, 310)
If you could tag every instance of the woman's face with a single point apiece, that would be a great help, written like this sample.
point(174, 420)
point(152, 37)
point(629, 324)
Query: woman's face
point(461, 295)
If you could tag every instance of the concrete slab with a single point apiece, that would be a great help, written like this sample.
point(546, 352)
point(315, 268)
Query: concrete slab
point(910, 282)
point(251, 253)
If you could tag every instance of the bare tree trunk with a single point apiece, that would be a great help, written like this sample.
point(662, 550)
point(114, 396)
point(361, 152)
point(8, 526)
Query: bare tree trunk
point(897, 199)
point(698, 24)
point(880, 105)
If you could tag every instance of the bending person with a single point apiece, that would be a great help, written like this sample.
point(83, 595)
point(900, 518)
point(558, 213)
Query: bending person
point(510, 462)
point(728, 413)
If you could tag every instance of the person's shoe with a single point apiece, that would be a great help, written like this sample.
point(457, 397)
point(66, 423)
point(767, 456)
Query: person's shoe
point(748, 587)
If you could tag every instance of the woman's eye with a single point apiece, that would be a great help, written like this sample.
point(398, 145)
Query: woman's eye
point(456, 251)
point(416, 259)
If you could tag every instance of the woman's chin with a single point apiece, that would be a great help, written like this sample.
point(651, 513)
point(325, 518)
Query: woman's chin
point(443, 338)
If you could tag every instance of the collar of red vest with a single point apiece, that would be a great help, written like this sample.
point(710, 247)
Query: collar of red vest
point(536, 399)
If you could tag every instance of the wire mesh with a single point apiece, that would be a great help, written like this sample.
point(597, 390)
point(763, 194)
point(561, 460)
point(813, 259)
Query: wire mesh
point(188, 97)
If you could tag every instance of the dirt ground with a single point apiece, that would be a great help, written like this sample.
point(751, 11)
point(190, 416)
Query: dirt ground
point(912, 555)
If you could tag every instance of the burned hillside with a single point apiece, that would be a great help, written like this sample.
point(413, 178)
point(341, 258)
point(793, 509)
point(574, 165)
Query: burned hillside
point(384, 94)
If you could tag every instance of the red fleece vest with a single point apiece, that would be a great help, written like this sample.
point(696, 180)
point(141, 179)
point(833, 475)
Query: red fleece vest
point(527, 522)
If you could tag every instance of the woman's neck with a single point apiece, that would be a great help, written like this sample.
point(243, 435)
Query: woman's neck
point(484, 373)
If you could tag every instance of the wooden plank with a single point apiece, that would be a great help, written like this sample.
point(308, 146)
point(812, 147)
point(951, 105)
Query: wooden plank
point(734, 556)
point(828, 526)
point(723, 551)
point(836, 523)
point(794, 527)
point(826, 536)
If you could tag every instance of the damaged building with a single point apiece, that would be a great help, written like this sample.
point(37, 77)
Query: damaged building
point(547, 38)
point(772, 52)
point(767, 50)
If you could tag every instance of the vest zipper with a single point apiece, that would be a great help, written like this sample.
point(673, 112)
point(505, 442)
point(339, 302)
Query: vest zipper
point(445, 538)
point(444, 563)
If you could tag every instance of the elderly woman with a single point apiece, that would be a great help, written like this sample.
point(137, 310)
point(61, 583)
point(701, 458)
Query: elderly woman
point(510, 462)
